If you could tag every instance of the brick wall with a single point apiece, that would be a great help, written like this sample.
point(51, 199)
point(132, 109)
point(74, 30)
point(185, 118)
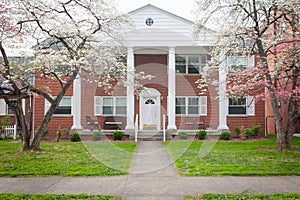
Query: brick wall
point(247, 121)
point(53, 88)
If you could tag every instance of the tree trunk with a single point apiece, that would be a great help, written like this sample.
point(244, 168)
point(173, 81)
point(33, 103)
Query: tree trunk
point(26, 143)
point(291, 118)
point(37, 139)
point(281, 136)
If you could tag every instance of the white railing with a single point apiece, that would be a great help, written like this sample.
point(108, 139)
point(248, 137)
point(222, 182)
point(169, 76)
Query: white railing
point(136, 128)
point(164, 126)
point(11, 130)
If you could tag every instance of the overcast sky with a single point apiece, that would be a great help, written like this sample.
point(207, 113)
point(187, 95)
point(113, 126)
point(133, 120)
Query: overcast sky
point(182, 8)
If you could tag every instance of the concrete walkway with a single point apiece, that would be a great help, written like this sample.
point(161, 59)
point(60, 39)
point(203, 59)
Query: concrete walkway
point(152, 177)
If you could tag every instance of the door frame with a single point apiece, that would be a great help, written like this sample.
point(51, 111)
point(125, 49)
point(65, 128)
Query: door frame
point(150, 93)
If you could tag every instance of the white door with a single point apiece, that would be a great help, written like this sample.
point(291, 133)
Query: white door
point(150, 112)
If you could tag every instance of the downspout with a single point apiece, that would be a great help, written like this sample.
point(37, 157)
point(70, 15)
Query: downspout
point(266, 134)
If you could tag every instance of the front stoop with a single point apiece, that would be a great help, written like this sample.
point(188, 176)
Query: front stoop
point(151, 135)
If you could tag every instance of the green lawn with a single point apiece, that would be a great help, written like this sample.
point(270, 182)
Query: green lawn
point(55, 197)
point(234, 158)
point(243, 196)
point(66, 159)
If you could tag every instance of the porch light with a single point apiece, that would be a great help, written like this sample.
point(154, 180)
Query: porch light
point(279, 103)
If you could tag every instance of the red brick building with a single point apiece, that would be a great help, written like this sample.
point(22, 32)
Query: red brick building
point(287, 39)
point(161, 44)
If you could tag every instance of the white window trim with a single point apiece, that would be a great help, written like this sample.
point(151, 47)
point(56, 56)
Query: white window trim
point(201, 107)
point(4, 107)
point(47, 106)
point(98, 106)
point(250, 108)
point(250, 62)
point(186, 56)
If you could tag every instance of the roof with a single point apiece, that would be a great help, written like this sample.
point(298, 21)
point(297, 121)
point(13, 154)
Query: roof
point(161, 10)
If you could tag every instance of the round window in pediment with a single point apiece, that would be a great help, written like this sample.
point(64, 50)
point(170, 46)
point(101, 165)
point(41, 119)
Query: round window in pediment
point(149, 21)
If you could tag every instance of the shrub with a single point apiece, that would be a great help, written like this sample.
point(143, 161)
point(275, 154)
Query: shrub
point(75, 137)
point(237, 131)
point(243, 133)
point(97, 135)
point(225, 136)
point(253, 131)
point(5, 121)
point(118, 135)
point(62, 133)
point(183, 135)
point(44, 134)
point(65, 133)
point(58, 133)
point(256, 129)
point(202, 135)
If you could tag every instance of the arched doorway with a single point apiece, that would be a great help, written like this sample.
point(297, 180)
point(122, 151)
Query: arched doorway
point(150, 109)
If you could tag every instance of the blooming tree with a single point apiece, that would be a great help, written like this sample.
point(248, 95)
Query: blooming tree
point(270, 30)
point(69, 36)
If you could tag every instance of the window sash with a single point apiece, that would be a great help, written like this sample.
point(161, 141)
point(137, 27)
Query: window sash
point(111, 105)
point(239, 63)
point(120, 101)
point(190, 64)
point(237, 106)
point(191, 106)
point(64, 107)
point(108, 110)
point(108, 101)
point(9, 109)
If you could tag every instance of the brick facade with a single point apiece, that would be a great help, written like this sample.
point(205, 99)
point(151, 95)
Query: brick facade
point(155, 65)
point(53, 88)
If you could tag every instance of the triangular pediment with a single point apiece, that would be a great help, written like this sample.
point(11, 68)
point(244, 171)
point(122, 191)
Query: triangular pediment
point(153, 26)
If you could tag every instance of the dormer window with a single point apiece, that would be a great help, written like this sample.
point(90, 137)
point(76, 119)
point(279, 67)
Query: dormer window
point(149, 21)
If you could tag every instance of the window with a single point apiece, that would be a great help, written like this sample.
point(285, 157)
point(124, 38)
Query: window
point(64, 107)
point(149, 21)
point(237, 106)
point(190, 64)
point(191, 105)
point(9, 109)
point(239, 63)
point(241, 106)
point(120, 106)
point(149, 101)
point(109, 106)
point(180, 105)
point(6, 110)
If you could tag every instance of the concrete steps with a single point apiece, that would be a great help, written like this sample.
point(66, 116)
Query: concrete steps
point(150, 135)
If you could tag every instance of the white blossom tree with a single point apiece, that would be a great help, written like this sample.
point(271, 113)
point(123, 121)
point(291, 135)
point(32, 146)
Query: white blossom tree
point(69, 35)
point(269, 29)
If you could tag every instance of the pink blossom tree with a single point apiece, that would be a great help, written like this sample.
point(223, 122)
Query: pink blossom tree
point(270, 30)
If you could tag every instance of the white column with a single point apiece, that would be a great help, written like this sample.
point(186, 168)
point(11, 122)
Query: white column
point(130, 89)
point(223, 105)
point(171, 90)
point(76, 104)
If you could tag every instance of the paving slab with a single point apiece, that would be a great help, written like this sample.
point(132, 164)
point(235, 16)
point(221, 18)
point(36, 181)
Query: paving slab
point(152, 159)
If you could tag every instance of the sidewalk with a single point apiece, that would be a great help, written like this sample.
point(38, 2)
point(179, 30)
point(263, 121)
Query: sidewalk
point(152, 176)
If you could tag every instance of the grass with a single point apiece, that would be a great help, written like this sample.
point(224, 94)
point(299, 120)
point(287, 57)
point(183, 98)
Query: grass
point(55, 196)
point(66, 159)
point(234, 158)
point(243, 196)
